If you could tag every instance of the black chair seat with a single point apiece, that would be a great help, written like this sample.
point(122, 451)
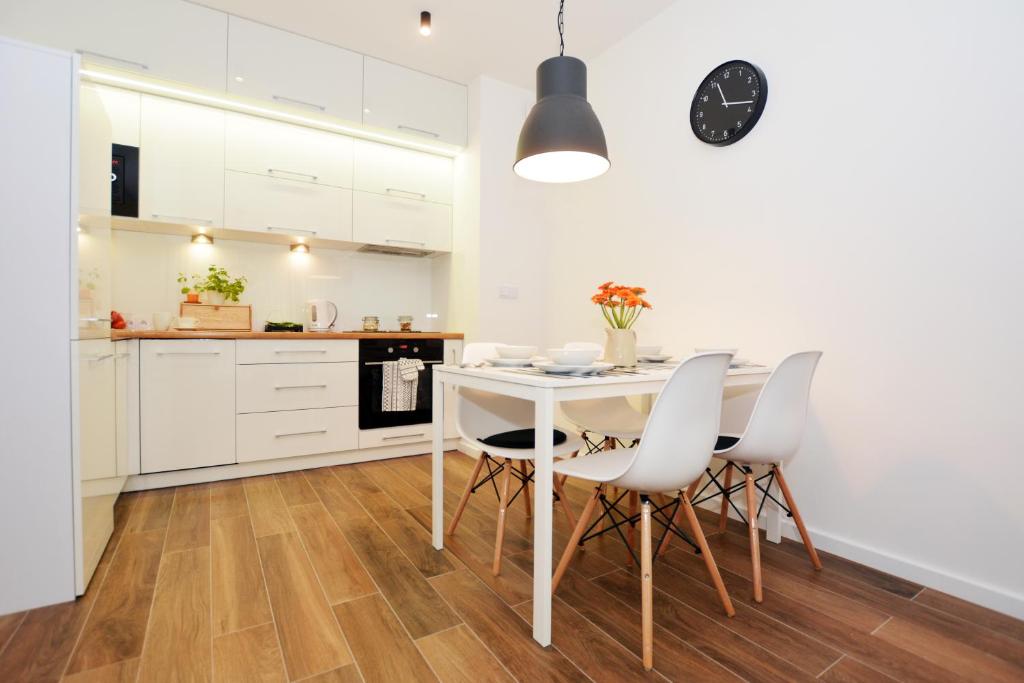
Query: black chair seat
point(726, 442)
point(519, 438)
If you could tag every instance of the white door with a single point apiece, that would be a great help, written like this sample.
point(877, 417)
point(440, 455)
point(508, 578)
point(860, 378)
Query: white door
point(281, 150)
point(386, 169)
point(187, 403)
point(181, 163)
point(289, 69)
point(96, 433)
point(413, 102)
point(399, 222)
point(278, 206)
point(168, 39)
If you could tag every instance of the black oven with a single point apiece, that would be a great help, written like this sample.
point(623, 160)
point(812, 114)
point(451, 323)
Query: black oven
point(373, 353)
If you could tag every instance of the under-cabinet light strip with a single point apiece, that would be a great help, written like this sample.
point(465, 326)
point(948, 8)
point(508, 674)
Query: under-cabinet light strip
point(198, 97)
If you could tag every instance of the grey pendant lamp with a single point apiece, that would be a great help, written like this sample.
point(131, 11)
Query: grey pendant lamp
point(561, 141)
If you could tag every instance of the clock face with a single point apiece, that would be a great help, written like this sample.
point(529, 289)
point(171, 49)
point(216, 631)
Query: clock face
point(728, 103)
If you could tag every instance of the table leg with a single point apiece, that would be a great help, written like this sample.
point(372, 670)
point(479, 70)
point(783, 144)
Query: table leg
point(437, 463)
point(544, 409)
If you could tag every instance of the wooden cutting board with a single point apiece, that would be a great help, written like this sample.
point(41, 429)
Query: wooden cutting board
point(233, 317)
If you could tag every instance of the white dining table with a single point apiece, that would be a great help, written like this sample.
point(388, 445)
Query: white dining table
point(546, 391)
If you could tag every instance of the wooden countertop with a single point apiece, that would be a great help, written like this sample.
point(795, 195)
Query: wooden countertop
point(220, 334)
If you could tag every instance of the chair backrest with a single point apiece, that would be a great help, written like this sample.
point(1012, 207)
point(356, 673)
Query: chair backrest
point(776, 425)
point(480, 413)
point(586, 413)
point(681, 432)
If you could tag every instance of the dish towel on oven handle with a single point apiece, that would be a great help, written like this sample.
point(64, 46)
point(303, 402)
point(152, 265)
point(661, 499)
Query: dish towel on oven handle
point(401, 378)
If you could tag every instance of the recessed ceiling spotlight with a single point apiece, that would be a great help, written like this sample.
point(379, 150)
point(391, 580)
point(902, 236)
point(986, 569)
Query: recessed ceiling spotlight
point(239, 79)
point(424, 23)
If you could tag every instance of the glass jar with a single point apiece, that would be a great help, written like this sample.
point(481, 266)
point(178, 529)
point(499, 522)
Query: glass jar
point(371, 323)
point(405, 323)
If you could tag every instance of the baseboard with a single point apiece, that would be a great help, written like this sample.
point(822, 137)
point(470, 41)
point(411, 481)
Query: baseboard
point(986, 595)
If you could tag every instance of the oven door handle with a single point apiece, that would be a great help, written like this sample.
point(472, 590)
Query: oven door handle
point(381, 362)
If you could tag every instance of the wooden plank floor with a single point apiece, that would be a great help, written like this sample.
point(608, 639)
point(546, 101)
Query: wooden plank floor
point(328, 575)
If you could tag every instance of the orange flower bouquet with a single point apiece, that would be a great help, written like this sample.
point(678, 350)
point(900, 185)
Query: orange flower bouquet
point(620, 305)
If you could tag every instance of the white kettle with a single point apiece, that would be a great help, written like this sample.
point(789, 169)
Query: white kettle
point(321, 315)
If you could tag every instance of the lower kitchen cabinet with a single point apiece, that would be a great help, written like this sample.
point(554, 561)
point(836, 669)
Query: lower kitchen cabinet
point(96, 417)
point(187, 404)
point(289, 433)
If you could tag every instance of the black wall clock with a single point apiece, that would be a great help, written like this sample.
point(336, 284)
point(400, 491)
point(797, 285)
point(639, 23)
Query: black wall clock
point(728, 103)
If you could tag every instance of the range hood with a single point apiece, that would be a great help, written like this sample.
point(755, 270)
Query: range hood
point(395, 251)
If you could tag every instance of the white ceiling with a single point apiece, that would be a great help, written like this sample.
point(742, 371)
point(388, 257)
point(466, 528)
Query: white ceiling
point(505, 39)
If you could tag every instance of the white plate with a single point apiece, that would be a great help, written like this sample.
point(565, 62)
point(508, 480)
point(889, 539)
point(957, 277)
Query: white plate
point(556, 369)
point(510, 362)
point(655, 359)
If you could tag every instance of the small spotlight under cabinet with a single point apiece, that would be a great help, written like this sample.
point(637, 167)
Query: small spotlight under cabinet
point(202, 238)
point(299, 248)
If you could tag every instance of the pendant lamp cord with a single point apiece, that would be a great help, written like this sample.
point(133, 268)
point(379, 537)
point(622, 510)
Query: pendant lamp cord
point(561, 28)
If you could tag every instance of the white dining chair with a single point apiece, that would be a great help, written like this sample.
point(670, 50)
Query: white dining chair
point(772, 438)
point(501, 428)
point(674, 450)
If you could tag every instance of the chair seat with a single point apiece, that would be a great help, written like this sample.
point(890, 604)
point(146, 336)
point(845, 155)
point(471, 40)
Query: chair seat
point(571, 444)
point(520, 438)
point(607, 417)
point(725, 442)
point(602, 467)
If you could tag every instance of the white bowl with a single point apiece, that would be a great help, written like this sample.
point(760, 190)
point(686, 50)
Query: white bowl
point(648, 350)
point(574, 356)
point(519, 352)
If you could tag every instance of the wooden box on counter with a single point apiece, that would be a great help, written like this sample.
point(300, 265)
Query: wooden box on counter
point(227, 317)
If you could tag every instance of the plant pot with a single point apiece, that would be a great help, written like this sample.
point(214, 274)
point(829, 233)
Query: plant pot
point(192, 298)
point(215, 298)
point(620, 347)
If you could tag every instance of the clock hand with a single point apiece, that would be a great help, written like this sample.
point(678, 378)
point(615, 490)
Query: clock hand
point(743, 102)
point(724, 103)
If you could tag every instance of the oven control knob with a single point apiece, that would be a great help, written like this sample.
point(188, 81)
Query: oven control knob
point(415, 349)
point(391, 349)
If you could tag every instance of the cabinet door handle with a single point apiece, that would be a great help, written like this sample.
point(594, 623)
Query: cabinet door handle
point(301, 103)
point(298, 173)
point(300, 386)
point(98, 357)
point(122, 355)
point(312, 431)
point(403, 436)
point(392, 190)
point(290, 231)
point(418, 130)
point(300, 350)
point(119, 60)
point(94, 320)
point(188, 353)
point(187, 219)
point(390, 241)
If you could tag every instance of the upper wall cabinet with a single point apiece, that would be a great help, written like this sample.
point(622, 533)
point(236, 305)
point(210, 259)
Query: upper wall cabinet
point(414, 103)
point(181, 162)
point(169, 39)
point(281, 150)
point(289, 69)
point(390, 170)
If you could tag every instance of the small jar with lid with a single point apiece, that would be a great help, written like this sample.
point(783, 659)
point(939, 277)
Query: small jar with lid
point(405, 323)
point(371, 323)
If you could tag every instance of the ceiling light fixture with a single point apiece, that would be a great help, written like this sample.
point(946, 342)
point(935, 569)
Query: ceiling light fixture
point(299, 248)
point(424, 23)
point(561, 141)
point(202, 238)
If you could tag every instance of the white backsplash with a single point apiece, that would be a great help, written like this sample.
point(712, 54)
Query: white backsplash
point(145, 268)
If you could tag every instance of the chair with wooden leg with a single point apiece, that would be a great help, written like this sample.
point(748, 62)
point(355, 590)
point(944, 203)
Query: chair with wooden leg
point(674, 450)
point(501, 429)
point(771, 439)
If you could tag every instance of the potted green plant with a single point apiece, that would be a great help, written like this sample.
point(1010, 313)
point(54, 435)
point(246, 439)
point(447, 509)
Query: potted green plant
point(193, 290)
point(220, 287)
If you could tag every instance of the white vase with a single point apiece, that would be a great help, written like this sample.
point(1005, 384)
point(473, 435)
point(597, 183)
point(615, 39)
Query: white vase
point(620, 347)
point(214, 298)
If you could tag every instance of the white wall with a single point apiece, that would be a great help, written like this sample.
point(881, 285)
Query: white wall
point(874, 213)
point(146, 266)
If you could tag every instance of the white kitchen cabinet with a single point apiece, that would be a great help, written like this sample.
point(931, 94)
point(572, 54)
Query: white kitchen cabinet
point(398, 222)
point(394, 436)
point(181, 163)
point(126, 406)
point(94, 139)
point(273, 64)
point(265, 204)
point(412, 102)
point(296, 386)
point(297, 351)
point(122, 109)
point(452, 356)
point(96, 410)
point(290, 433)
point(168, 39)
point(390, 170)
point(187, 403)
point(281, 150)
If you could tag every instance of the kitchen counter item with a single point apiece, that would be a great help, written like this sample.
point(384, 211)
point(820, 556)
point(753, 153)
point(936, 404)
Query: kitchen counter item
point(405, 323)
point(282, 327)
point(227, 334)
point(371, 323)
point(236, 317)
point(321, 315)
